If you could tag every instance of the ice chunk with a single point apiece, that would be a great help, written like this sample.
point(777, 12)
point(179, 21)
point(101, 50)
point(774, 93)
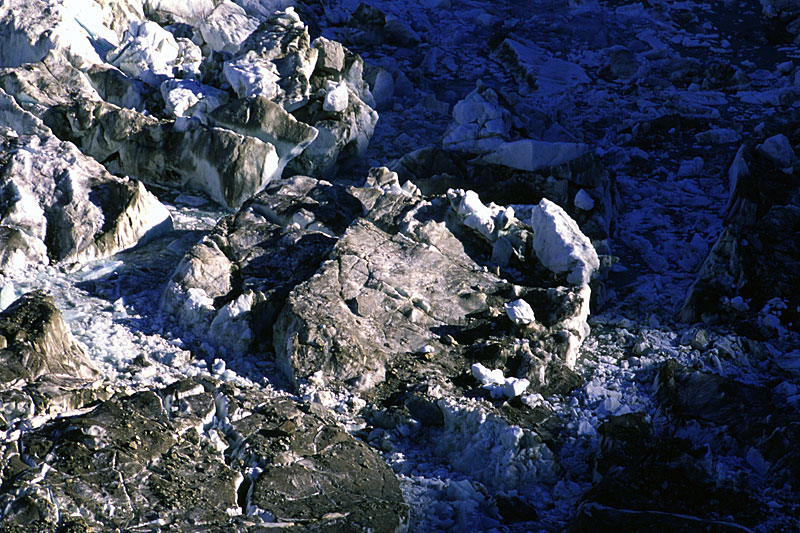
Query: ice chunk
point(584, 201)
point(336, 99)
point(560, 245)
point(495, 382)
point(186, 98)
point(150, 53)
point(778, 149)
point(520, 312)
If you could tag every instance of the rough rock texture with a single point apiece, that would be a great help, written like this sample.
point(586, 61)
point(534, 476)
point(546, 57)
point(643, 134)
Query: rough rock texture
point(232, 284)
point(197, 454)
point(36, 341)
point(227, 166)
point(265, 120)
point(752, 271)
point(350, 303)
point(68, 202)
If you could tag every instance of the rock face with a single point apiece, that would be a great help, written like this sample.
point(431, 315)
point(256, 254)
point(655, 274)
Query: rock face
point(752, 271)
point(197, 454)
point(65, 202)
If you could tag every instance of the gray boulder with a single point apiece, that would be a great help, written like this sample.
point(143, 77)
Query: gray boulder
point(265, 120)
point(232, 284)
point(36, 342)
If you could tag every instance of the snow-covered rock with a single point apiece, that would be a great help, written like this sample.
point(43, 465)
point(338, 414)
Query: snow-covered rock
point(226, 27)
point(151, 54)
point(560, 245)
point(188, 98)
point(480, 124)
point(265, 120)
point(276, 61)
point(336, 97)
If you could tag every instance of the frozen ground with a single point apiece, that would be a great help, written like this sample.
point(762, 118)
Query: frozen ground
point(672, 192)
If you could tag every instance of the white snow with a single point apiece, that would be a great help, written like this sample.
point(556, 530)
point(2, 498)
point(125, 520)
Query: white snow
point(520, 312)
point(7, 296)
point(336, 98)
point(150, 53)
point(560, 245)
point(495, 382)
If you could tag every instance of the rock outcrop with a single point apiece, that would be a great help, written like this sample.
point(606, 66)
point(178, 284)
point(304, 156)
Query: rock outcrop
point(197, 454)
point(346, 286)
point(752, 271)
point(63, 201)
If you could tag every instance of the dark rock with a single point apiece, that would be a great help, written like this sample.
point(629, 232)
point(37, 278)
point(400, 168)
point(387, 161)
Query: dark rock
point(38, 342)
point(198, 454)
point(752, 271)
point(255, 258)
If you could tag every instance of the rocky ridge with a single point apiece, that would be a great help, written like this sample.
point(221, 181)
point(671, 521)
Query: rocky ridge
point(424, 297)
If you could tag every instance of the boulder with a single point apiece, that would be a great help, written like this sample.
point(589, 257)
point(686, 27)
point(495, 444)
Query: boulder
point(230, 286)
point(534, 66)
point(560, 245)
point(188, 98)
point(37, 342)
point(263, 119)
point(166, 12)
point(198, 454)
point(343, 136)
